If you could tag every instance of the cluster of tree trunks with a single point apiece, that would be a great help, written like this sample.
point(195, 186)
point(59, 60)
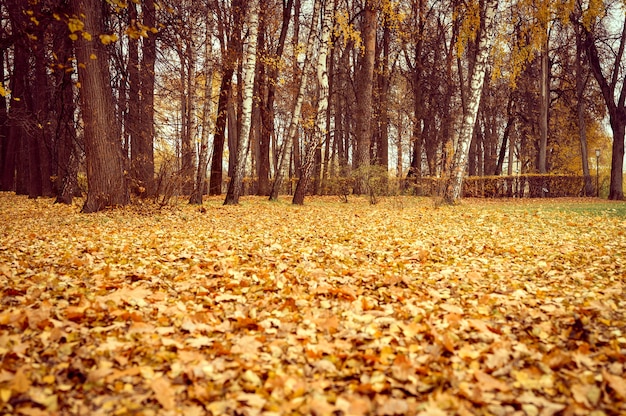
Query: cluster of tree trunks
point(85, 77)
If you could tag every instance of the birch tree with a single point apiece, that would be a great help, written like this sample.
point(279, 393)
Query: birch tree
point(235, 186)
point(322, 105)
point(485, 34)
point(294, 122)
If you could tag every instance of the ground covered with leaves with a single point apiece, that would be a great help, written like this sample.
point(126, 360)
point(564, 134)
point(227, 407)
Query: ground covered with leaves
point(505, 307)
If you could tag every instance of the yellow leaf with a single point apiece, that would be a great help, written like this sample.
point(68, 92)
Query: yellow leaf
point(5, 395)
point(73, 36)
point(107, 39)
point(21, 382)
point(93, 56)
point(617, 383)
point(164, 393)
point(487, 382)
point(75, 24)
point(3, 92)
point(86, 35)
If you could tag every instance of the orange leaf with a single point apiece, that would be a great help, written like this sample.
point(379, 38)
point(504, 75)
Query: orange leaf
point(164, 393)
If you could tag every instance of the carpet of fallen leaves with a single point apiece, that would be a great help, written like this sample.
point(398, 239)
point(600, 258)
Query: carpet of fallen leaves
point(507, 308)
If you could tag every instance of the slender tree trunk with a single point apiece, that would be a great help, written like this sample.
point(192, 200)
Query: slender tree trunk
point(133, 115)
point(267, 109)
point(147, 78)
point(454, 185)
point(219, 138)
point(15, 163)
point(617, 110)
point(322, 105)
point(544, 105)
point(290, 142)
point(384, 82)
point(505, 137)
point(235, 186)
point(581, 83)
point(203, 156)
point(188, 107)
point(65, 108)
point(42, 117)
point(4, 126)
point(105, 168)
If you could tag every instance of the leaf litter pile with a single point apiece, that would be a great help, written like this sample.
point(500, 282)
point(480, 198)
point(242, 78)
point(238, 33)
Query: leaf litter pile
point(325, 309)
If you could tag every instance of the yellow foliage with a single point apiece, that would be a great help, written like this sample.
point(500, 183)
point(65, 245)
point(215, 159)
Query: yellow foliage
point(4, 92)
point(345, 30)
point(75, 25)
point(108, 39)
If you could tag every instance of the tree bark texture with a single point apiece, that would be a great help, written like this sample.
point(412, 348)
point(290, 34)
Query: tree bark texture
point(106, 177)
point(454, 185)
point(235, 186)
point(364, 88)
point(322, 104)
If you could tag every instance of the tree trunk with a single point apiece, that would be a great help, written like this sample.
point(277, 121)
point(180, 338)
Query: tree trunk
point(147, 77)
point(133, 115)
point(581, 83)
point(15, 163)
point(290, 143)
point(505, 136)
point(203, 156)
point(235, 186)
point(188, 106)
point(65, 108)
point(4, 127)
point(219, 138)
point(365, 81)
point(322, 105)
point(454, 185)
point(617, 110)
point(267, 109)
point(103, 151)
point(544, 105)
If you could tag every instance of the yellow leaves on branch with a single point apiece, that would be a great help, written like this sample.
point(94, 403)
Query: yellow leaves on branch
point(138, 30)
point(108, 39)
point(4, 92)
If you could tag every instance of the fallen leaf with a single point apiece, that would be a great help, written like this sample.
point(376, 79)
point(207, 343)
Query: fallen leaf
point(164, 393)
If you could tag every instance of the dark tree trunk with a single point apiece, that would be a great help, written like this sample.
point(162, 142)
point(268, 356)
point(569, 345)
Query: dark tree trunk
point(133, 118)
point(4, 124)
point(64, 110)
point(364, 96)
point(617, 110)
point(15, 163)
point(42, 174)
point(215, 181)
point(103, 151)
point(15, 168)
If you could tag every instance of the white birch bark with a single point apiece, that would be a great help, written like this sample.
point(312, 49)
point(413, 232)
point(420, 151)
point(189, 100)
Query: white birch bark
point(454, 188)
point(322, 104)
point(283, 165)
point(235, 186)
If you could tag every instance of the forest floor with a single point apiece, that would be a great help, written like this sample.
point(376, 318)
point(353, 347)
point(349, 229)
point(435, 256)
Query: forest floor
point(488, 307)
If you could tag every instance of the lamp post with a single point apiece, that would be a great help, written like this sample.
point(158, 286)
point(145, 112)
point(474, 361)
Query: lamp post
point(597, 173)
